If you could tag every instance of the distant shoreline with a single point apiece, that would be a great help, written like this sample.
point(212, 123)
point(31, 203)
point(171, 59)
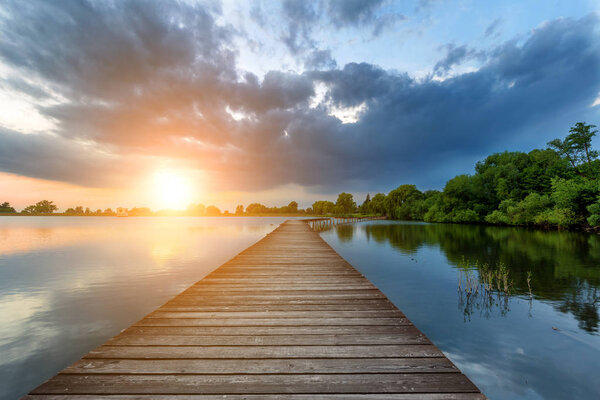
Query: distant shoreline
point(173, 215)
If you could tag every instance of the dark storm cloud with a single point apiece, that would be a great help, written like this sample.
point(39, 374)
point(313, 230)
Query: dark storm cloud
point(303, 16)
point(55, 158)
point(359, 13)
point(134, 81)
point(456, 55)
point(413, 126)
point(320, 59)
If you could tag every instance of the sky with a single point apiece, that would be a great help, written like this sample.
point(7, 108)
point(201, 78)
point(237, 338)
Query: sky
point(125, 103)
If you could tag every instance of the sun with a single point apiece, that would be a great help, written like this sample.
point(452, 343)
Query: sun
point(172, 190)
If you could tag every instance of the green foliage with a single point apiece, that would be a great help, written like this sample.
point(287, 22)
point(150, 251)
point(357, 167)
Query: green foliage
point(6, 208)
point(377, 204)
point(322, 207)
point(575, 195)
point(577, 149)
point(364, 207)
point(556, 187)
point(403, 203)
point(594, 210)
point(526, 211)
point(292, 207)
point(256, 208)
point(41, 207)
point(345, 204)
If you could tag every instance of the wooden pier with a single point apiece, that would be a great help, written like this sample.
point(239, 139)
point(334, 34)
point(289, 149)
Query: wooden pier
point(287, 318)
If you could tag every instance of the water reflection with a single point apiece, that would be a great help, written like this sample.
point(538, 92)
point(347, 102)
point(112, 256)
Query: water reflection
point(518, 344)
point(565, 266)
point(67, 284)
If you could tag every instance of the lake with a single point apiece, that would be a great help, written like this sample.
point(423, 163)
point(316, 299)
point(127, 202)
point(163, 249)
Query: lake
point(518, 346)
point(67, 284)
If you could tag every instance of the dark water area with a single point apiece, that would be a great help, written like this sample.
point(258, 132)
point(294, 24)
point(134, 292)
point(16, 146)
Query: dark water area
point(543, 344)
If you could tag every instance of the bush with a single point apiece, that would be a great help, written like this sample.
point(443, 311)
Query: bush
point(497, 217)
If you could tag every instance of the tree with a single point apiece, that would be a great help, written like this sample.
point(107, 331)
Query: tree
point(6, 208)
point(345, 203)
point(293, 207)
point(377, 204)
point(29, 210)
point(256, 208)
point(140, 212)
point(239, 210)
point(212, 211)
point(41, 207)
point(323, 207)
point(402, 203)
point(577, 148)
point(196, 209)
point(364, 207)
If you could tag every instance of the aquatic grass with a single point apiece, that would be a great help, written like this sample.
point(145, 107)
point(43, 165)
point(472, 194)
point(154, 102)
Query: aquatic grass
point(482, 286)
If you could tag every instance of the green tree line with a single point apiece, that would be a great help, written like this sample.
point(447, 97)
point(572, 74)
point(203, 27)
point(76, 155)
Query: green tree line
point(558, 186)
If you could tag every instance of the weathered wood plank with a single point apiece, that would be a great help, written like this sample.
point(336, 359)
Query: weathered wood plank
point(186, 306)
point(214, 290)
point(168, 313)
point(163, 336)
point(264, 322)
point(263, 366)
point(315, 396)
point(278, 330)
point(273, 301)
point(261, 384)
point(271, 304)
point(357, 351)
point(305, 295)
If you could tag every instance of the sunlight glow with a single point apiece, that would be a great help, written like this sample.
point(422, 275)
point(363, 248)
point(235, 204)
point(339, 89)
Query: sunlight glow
point(172, 189)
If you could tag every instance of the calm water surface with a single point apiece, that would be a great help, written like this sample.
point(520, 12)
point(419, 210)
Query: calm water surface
point(512, 347)
point(67, 284)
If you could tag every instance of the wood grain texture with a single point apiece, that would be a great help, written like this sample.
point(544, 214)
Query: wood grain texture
point(287, 319)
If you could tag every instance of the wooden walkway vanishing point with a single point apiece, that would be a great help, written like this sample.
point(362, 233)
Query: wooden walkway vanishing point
point(287, 318)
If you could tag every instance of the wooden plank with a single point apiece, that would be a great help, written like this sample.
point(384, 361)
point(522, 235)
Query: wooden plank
point(186, 306)
point(164, 313)
point(265, 322)
point(260, 384)
point(263, 366)
point(213, 290)
point(356, 351)
point(285, 305)
point(163, 336)
point(306, 295)
point(276, 330)
point(315, 396)
point(288, 318)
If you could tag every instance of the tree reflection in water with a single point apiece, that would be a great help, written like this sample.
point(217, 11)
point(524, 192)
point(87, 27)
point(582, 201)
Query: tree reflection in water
point(564, 266)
